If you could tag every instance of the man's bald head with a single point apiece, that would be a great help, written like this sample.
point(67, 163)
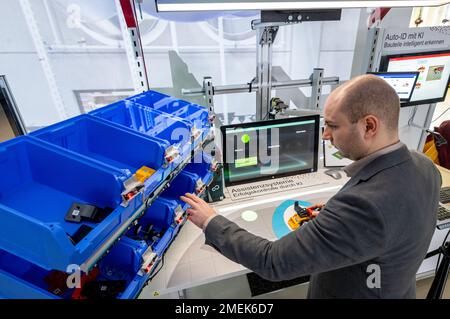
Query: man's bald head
point(369, 95)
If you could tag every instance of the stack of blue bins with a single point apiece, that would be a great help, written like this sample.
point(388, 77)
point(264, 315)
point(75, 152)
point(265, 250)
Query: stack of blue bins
point(88, 159)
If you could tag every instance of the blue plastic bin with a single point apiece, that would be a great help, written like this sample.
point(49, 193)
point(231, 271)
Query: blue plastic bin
point(184, 183)
point(20, 279)
point(193, 113)
point(202, 165)
point(111, 145)
point(38, 186)
point(162, 217)
point(175, 131)
point(152, 99)
point(160, 214)
point(166, 214)
point(163, 244)
point(124, 263)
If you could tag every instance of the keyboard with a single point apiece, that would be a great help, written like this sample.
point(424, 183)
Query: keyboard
point(443, 216)
point(443, 213)
point(444, 195)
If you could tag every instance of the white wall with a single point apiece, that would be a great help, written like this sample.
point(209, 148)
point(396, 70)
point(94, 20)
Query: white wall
point(20, 64)
point(338, 44)
point(83, 62)
point(82, 71)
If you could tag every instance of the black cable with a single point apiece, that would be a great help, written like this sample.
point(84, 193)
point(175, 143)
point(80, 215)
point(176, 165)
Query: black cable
point(411, 118)
point(439, 256)
point(250, 85)
point(162, 265)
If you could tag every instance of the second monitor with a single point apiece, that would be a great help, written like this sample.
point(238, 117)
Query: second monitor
point(267, 149)
point(434, 74)
point(402, 82)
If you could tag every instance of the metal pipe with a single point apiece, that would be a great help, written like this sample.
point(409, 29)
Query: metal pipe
point(242, 88)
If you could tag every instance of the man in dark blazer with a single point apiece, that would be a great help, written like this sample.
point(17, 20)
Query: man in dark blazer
point(371, 237)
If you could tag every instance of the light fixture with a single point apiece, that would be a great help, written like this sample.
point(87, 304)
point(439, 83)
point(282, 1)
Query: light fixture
point(235, 5)
point(249, 215)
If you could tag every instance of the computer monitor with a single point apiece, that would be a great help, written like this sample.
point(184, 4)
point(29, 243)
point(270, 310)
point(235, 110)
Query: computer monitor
point(402, 82)
point(269, 149)
point(434, 74)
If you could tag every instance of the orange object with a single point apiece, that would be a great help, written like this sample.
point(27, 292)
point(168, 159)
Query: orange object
point(144, 173)
point(130, 195)
point(430, 150)
point(302, 215)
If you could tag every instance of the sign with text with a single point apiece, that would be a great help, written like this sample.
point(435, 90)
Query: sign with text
point(416, 39)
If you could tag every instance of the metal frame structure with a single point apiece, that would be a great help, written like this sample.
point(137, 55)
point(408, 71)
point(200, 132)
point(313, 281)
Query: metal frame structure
point(266, 33)
point(265, 37)
point(316, 81)
point(133, 46)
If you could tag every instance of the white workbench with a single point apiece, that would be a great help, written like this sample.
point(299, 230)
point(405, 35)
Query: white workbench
point(190, 263)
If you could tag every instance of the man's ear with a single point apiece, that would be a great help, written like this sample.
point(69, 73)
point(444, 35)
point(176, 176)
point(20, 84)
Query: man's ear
point(372, 125)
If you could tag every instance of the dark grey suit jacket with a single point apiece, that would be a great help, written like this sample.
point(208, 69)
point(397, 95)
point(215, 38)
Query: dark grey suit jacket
point(384, 216)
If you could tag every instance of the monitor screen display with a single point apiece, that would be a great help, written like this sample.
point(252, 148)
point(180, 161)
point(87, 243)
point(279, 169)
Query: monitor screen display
point(434, 74)
point(402, 82)
point(269, 149)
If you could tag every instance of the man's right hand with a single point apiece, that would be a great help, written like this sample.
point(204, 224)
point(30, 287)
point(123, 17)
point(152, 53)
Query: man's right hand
point(200, 211)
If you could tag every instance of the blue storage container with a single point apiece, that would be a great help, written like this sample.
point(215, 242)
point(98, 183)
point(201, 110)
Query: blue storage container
point(154, 226)
point(160, 214)
point(21, 279)
point(39, 184)
point(110, 144)
point(125, 262)
point(202, 165)
point(163, 244)
point(193, 113)
point(152, 99)
point(184, 183)
point(163, 219)
point(169, 214)
point(175, 131)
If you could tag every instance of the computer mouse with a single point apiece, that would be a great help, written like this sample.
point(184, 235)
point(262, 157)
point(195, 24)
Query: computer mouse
point(333, 173)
